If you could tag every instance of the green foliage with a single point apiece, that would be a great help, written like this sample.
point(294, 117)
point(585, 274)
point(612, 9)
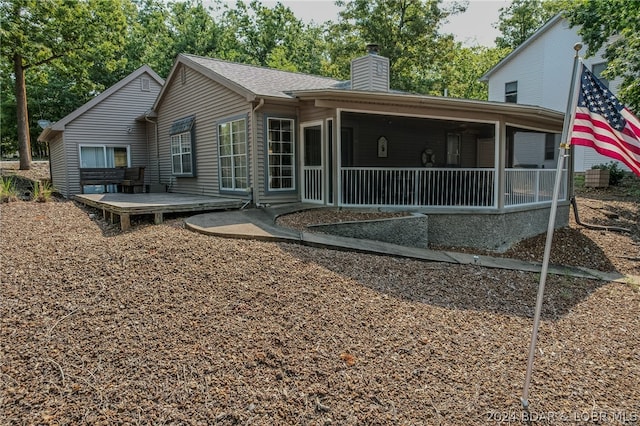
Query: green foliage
point(407, 33)
point(631, 185)
point(8, 189)
point(272, 37)
point(42, 191)
point(74, 38)
point(73, 50)
point(464, 67)
point(614, 24)
point(518, 21)
point(616, 174)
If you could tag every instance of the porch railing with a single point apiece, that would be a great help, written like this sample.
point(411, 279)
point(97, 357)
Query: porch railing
point(443, 187)
point(530, 186)
point(312, 183)
point(373, 186)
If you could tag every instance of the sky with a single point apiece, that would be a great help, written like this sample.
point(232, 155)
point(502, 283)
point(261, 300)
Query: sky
point(473, 27)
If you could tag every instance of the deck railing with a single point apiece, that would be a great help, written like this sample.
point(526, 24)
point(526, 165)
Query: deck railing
point(443, 187)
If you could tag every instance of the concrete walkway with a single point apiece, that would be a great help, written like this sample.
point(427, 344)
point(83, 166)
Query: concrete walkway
point(259, 224)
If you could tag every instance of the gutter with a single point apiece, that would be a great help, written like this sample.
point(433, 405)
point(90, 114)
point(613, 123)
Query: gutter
point(254, 157)
point(155, 126)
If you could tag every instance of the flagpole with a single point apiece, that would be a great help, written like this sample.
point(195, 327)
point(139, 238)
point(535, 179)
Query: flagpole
point(564, 145)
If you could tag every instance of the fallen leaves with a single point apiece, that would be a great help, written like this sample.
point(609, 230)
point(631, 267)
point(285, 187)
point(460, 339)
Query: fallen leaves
point(348, 359)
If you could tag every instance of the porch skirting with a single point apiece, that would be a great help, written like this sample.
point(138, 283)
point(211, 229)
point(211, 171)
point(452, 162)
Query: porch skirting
point(495, 231)
point(410, 231)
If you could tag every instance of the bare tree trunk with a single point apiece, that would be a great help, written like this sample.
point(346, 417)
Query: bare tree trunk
point(24, 140)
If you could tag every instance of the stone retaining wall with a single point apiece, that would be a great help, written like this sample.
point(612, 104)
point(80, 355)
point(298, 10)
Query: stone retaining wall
point(410, 231)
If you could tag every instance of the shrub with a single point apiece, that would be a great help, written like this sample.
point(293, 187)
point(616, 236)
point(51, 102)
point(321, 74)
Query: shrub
point(8, 190)
point(615, 172)
point(42, 191)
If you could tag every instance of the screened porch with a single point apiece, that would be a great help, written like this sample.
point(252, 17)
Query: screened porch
point(390, 161)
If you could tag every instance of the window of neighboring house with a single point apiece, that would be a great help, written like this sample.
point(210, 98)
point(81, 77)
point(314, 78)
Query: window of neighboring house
point(597, 70)
point(511, 92)
point(549, 146)
point(281, 154)
point(182, 158)
point(232, 143)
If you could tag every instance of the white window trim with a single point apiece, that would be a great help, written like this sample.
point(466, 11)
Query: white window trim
point(104, 151)
point(179, 136)
point(293, 156)
point(233, 156)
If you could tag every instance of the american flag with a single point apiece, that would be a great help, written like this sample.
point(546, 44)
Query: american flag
point(603, 123)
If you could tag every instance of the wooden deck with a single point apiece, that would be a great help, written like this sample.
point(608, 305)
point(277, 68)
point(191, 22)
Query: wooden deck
point(122, 206)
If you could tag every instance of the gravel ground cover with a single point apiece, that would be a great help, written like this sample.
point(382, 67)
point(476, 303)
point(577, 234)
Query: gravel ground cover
point(159, 325)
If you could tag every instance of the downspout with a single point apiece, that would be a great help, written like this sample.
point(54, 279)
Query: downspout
point(254, 157)
point(155, 126)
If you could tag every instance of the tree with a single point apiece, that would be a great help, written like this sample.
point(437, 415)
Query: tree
point(463, 68)
point(69, 36)
point(518, 21)
point(273, 37)
point(614, 24)
point(405, 30)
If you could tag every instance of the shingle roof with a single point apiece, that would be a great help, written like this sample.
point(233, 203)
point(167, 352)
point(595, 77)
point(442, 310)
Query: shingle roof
point(263, 81)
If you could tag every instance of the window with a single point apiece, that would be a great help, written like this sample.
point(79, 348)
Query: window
point(281, 154)
point(145, 84)
point(550, 146)
point(104, 156)
point(182, 159)
point(181, 154)
point(597, 70)
point(511, 92)
point(232, 143)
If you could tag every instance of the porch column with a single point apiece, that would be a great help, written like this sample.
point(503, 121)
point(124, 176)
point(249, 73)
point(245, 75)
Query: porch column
point(338, 164)
point(501, 148)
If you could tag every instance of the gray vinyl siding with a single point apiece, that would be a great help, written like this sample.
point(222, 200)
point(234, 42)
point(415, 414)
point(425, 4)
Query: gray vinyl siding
point(107, 123)
point(276, 111)
point(59, 169)
point(152, 171)
point(370, 72)
point(309, 112)
point(210, 103)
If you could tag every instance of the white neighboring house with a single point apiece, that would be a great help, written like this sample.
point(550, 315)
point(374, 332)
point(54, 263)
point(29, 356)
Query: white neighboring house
point(538, 72)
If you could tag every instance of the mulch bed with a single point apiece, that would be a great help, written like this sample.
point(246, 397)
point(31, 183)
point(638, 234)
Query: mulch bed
point(160, 325)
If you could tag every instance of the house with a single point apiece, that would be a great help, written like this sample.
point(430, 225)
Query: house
point(270, 137)
point(264, 136)
point(538, 72)
point(108, 131)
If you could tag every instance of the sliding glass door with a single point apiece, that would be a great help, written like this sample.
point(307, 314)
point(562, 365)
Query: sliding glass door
point(98, 156)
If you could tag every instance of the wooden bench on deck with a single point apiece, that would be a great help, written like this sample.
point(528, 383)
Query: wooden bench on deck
point(127, 178)
point(133, 180)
